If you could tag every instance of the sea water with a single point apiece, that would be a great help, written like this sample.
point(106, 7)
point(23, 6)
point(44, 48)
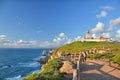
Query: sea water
point(15, 64)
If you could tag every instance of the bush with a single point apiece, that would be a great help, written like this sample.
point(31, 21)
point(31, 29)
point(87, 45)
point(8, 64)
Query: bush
point(50, 72)
point(98, 56)
point(32, 77)
point(116, 59)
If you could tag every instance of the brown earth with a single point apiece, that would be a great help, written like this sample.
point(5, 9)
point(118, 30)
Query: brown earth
point(99, 70)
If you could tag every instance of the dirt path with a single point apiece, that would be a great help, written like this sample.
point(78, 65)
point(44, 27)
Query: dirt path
point(98, 70)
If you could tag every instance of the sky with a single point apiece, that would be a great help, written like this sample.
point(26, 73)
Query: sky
point(52, 23)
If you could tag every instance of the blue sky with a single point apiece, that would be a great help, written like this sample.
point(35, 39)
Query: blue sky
point(51, 23)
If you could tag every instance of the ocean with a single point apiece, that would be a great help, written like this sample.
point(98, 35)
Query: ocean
point(15, 64)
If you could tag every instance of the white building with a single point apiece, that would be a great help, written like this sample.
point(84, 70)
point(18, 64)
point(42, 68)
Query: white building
point(95, 38)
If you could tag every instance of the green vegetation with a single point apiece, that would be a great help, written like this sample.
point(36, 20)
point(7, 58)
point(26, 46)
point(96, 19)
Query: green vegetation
point(83, 46)
point(113, 56)
point(116, 57)
point(50, 72)
point(78, 46)
point(100, 56)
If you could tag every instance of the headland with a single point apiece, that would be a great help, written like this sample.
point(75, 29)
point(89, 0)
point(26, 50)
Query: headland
point(76, 60)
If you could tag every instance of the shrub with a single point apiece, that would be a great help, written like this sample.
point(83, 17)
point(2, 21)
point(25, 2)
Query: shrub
point(50, 72)
point(116, 59)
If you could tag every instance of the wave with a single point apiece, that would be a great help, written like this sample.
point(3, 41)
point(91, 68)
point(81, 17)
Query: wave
point(36, 71)
point(5, 66)
point(37, 58)
point(20, 77)
point(29, 64)
point(15, 78)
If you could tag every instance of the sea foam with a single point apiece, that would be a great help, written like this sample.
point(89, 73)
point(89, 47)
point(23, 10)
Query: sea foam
point(29, 64)
point(37, 58)
point(15, 78)
point(5, 66)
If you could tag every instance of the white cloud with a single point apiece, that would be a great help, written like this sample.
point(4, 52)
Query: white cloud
point(77, 38)
point(109, 29)
point(62, 34)
point(60, 38)
point(20, 43)
point(102, 14)
point(115, 22)
point(2, 37)
point(106, 35)
point(47, 44)
point(118, 34)
point(93, 35)
point(106, 31)
point(99, 28)
point(5, 42)
point(69, 41)
point(108, 8)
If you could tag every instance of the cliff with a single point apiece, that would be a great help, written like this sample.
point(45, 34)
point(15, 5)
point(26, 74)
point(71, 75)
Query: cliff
point(56, 67)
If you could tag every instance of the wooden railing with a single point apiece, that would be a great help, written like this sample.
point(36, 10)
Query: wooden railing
point(78, 58)
point(76, 72)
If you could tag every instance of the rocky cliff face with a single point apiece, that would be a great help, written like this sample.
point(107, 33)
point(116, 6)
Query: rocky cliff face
point(43, 60)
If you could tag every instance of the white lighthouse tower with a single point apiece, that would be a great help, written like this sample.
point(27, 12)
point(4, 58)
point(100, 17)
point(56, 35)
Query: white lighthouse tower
point(87, 35)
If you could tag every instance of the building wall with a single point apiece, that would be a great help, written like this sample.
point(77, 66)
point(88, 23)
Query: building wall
point(94, 40)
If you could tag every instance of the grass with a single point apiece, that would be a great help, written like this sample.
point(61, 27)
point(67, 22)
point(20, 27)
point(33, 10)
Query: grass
point(50, 72)
point(78, 46)
point(113, 56)
point(82, 46)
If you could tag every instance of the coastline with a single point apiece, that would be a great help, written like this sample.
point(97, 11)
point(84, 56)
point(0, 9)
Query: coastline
point(63, 57)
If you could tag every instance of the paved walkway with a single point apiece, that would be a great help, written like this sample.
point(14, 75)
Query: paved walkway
point(98, 70)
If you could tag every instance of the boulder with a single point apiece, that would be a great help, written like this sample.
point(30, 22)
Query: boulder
point(67, 67)
point(43, 60)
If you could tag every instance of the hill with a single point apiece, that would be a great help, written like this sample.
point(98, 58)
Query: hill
point(109, 50)
point(83, 46)
point(50, 71)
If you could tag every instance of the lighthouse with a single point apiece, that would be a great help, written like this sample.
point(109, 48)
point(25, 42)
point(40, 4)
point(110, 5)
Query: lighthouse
point(87, 35)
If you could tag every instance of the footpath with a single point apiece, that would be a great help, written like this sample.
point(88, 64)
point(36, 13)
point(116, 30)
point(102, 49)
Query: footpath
point(99, 70)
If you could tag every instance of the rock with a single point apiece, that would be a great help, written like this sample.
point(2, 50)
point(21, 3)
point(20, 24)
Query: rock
point(67, 67)
point(43, 60)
